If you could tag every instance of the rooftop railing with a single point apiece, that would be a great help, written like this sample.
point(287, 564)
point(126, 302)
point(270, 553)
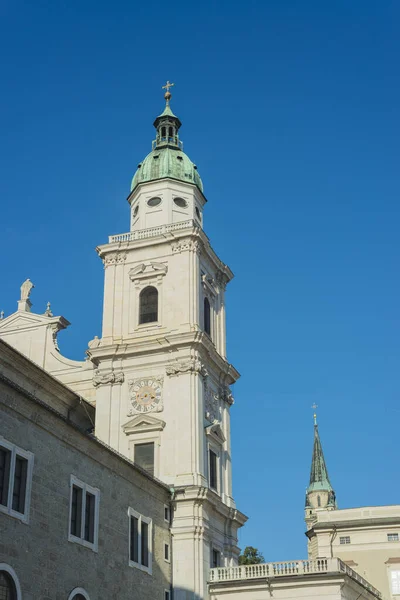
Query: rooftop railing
point(143, 234)
point(286, 569)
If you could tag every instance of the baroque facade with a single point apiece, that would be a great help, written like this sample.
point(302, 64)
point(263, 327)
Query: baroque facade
point(128, 453)
point(158, 376)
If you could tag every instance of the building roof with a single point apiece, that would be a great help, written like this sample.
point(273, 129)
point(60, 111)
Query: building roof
point(319, 478)
point(167, 159)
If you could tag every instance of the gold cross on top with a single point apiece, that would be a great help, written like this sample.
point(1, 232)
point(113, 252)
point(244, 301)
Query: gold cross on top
point(167, 86)
point(314, 407)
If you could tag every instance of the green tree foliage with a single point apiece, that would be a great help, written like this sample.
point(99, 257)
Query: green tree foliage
point(251, 556)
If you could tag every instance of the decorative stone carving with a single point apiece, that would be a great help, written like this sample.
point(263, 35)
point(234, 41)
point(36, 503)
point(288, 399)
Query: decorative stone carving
point(221, 279)
point(209, 285)
point(48, 311)
point(226, 395)
point(191, 366)
point(107, 378)
point(26, 289)
point(94, 343)
point(186, 244)
point(211, 405)
point(116, 258)
point(148, 271)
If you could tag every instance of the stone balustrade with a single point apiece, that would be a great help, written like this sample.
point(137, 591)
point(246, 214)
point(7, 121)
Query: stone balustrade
point(286, 569)
point(142, 234)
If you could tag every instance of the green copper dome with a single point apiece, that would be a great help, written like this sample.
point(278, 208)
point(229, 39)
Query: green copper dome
point(167, 158)
point(167, 162)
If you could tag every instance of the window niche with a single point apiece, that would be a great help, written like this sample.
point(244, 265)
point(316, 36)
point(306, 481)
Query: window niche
point(207, 316)
point(148, 305)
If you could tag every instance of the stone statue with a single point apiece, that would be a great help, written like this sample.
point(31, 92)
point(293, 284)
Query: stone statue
point(26, 289)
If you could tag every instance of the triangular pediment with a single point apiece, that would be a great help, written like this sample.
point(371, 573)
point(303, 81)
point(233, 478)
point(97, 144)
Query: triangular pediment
point(143, 423)
point(216, 432)
point(24, 320)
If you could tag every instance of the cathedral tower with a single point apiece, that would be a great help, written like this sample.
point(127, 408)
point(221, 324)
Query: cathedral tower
point(162, 378)
point(320, 494)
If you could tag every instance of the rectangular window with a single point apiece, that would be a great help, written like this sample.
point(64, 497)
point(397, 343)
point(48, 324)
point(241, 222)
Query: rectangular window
point(166, 552)
point(392, 537)
point(167, 595)
point(84, 514)
point(140, 532)
point(215, 558)
point(395, 581)
point(345, 539)
point(213, 471)
point(16, 466)
point(144, 457)
point(167, 513)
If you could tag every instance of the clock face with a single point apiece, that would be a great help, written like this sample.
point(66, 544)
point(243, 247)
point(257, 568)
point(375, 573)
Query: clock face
point(146, 395)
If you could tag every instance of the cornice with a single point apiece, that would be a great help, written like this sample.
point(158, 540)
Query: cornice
point(196, 340)
point(120, 250)
point(199, 494)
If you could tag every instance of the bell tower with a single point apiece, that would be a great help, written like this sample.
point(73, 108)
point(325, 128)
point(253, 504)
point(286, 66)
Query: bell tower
point(162, 378)
point(320, 494)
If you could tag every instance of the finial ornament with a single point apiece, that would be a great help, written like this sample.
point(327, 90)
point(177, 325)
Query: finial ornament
point(48, 312)
point(1, 315)
point(314, 407)
point(167, 94)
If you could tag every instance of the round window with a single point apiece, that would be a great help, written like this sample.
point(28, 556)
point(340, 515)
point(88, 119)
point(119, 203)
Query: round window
point(135, 211)
point(198, 214)
point(180, 202)
point(154, 201)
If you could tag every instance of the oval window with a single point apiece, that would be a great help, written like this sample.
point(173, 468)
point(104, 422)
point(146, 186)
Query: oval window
point(154, 201)
point(135, 212)
point(180, 202)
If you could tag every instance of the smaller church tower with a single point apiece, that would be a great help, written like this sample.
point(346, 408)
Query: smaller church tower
point(320, 494)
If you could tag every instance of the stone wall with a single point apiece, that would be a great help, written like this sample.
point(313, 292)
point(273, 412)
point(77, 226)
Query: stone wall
point(49, 566)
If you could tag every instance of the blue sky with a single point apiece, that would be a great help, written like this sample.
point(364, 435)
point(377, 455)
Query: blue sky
point(291, 112)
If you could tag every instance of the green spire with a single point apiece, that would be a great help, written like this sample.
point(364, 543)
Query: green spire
point(319, 478)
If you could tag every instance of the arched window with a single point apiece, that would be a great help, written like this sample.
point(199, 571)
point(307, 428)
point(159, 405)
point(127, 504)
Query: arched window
point(148, 305)
point(9, 585)
point(207, 316)
point(319, 501)
point(78, 594)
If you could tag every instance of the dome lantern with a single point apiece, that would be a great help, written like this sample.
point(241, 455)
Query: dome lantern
point(167, 158)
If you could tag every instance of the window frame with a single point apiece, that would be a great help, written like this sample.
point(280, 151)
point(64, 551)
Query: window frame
point(167, 510)
point(207, 317)
point(393, 535)
point(149, 521)
point(167, 545)
point(77, 591)
point(10, 571)
point(212, 449)
point(396, 573)
point(145, 443)
point(86, 488)
point(156, 321)
point(344, 542)
point(29, 457)
point(167, 594)
point(219, 554)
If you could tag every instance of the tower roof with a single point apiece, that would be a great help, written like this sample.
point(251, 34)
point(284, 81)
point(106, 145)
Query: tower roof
point(167, 159)
point(319, 478)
